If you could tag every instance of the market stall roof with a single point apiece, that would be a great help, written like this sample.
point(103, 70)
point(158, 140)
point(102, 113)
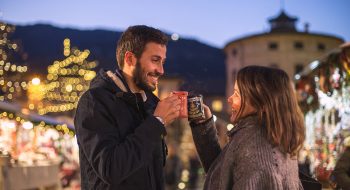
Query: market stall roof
point(345, 45)
point(27, 114)
point(316, 64)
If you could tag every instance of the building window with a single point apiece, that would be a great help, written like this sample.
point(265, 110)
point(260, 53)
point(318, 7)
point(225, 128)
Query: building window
point(321, 47)
point(298, 45)
point(298, 68)
point(273, 46)
point(234, 52)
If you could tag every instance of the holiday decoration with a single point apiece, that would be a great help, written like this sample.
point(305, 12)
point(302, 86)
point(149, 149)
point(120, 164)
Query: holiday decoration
point(12, 80)
point(327, 116)
point(67, 80)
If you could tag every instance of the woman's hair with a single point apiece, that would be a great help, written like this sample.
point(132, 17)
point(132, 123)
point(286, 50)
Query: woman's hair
point(270, 91)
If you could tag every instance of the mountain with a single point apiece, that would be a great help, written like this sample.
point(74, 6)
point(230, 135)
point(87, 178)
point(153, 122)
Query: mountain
point(201, 66)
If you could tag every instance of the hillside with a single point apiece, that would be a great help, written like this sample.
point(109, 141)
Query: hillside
point(201, 66)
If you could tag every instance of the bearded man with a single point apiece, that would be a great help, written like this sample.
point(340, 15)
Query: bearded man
point(120, 124)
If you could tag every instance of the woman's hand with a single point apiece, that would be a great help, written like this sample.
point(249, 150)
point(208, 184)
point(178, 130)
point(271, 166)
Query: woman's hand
point(207, 114)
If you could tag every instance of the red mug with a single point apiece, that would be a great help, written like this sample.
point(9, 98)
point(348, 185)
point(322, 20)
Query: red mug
point(183, 106)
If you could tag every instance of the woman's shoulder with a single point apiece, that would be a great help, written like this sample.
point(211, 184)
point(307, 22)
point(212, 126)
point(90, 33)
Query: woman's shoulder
point(248, 132)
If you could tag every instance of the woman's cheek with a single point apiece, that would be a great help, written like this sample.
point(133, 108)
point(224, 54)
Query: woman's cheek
point(236, 104)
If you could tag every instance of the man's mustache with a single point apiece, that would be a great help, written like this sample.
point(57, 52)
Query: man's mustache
point(155, 74)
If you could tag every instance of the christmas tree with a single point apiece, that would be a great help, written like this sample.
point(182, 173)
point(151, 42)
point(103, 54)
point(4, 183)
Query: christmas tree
point(67, 80)
point(12, 68)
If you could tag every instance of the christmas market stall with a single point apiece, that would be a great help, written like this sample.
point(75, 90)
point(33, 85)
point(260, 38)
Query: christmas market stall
point(324, 96)
point(35, 150)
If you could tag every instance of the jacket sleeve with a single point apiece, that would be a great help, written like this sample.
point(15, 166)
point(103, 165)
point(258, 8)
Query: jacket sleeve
point(341, 170)
point(206, 140)
point(113, 160)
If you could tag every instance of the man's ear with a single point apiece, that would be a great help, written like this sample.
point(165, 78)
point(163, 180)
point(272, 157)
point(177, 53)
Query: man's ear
point(129, 58)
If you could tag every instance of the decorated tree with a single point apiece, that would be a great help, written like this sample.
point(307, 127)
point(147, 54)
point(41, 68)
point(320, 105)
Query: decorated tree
point(12, 66)
point(67, 80)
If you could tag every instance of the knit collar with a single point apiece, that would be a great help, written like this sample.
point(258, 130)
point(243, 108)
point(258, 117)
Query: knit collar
point(243, 122)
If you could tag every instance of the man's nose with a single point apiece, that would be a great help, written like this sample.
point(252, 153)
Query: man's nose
point(160, 69)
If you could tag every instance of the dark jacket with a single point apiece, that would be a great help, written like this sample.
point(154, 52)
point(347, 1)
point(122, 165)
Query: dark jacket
point(247, 162)
point(120, 141)
point(341, 171)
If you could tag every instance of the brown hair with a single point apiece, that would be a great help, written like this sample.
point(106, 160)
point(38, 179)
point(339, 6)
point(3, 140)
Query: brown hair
point(270, 91)
point(135, 38)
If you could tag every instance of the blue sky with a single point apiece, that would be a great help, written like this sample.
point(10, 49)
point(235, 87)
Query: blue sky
point(212, 22)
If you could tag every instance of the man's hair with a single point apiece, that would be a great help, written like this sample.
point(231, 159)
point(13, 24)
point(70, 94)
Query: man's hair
point(135, 38)
point(270, 91)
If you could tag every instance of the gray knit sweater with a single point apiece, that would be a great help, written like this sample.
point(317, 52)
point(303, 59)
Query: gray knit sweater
point(247, 162)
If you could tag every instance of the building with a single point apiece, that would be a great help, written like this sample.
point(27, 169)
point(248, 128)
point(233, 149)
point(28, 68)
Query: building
point(283, 46)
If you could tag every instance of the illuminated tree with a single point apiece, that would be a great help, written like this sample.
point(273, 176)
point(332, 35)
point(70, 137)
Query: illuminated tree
point(67, 80)
point(12, 70)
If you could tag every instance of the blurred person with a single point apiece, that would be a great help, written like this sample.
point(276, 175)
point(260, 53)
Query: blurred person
point(195, 165)
point(120, 123)
point(341, 172)
point(173, 168)
point(269, 130)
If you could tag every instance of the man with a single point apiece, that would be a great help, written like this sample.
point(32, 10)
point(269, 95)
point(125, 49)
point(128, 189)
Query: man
point(120, 123)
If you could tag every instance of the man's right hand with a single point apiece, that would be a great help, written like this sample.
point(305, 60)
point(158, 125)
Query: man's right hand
point(168, 109)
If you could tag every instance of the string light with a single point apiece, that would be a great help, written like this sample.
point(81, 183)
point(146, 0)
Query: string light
point(67, 80)
point(63, 128)
point(10, 73)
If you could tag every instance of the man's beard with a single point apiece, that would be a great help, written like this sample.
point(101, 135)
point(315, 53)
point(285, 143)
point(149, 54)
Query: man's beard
point(140, 78)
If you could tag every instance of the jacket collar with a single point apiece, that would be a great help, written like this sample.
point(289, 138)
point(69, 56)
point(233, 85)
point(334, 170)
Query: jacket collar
point(117, 85)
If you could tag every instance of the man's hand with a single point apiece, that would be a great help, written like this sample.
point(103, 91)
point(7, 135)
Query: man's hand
point(168, 109)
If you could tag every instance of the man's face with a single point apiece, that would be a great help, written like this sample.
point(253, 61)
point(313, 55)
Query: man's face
point(149, 66)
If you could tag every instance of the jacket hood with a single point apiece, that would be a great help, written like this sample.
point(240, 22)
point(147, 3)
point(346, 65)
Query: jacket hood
point(102, 80)
point(117, 85)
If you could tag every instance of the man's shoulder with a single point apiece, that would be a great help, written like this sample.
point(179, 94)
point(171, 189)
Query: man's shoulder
point(97, 93)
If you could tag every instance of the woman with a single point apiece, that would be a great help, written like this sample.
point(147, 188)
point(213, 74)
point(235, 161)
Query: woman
point(269, 131)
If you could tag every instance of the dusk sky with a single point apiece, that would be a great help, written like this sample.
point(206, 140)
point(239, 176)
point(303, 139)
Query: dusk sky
point(212, 22)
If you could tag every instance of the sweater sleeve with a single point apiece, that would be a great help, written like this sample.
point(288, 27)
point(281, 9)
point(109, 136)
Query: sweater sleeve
point(113, 159)
point(260, 179)
point(206, 142)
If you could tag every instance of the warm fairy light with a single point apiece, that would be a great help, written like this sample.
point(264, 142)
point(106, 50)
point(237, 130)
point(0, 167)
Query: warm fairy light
point(67, 80)
point(217, 105)
point(10, 72)
point(35, 81)
point(27, 125)
point(11, 121)
point(181, 185)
